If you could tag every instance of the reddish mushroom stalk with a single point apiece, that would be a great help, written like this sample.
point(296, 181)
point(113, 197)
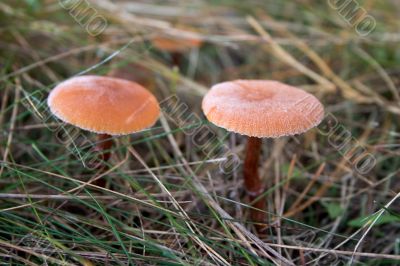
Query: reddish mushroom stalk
point(102, 155)
point(252, 181)
point(104, 145)
point(176, 59)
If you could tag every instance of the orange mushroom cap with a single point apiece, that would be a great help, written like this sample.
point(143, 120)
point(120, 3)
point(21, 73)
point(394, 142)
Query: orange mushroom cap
point(171, 44)
point(262, 108)
point(104, 105)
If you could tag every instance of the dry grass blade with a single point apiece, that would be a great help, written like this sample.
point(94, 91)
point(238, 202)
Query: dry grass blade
point(12, 125)
point(290, 60)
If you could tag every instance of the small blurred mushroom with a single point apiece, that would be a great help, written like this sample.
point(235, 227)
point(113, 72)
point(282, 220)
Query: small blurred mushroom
point(260, 109)
point(175, 46)
point(171, 44)
point(103, 105)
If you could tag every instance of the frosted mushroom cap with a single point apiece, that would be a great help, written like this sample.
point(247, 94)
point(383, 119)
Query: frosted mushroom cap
point(262, 108)
point(104, 105)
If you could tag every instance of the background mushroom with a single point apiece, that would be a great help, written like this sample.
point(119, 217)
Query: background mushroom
point(103, 105)
point(175, 46)
point(260, 109)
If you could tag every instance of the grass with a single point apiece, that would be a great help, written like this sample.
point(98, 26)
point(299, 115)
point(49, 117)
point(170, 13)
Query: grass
point(166, 201)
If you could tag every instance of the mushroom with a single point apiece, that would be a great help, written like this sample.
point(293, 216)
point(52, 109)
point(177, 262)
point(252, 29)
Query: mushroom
point(175, 46)
point(170, 44)
point(104, 105)
point(260, 109)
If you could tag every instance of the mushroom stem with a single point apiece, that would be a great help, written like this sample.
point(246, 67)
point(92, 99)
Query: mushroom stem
point(252, 181)
point(176, 59)
point(103, 147)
